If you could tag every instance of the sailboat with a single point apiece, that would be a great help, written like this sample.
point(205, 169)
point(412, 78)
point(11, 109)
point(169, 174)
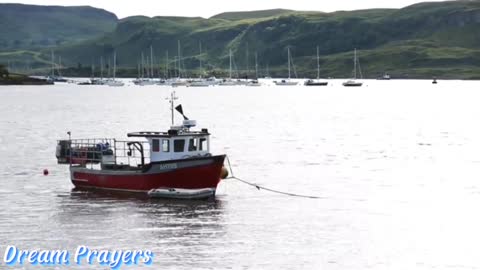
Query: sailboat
point(175, 82)
point(147, 81)
point(114, 82)
point(353, 82)
point(229, 81)
point(53, 77)
point(200, 81)
point(255, 82)
point(316, 82)
point(287, 82)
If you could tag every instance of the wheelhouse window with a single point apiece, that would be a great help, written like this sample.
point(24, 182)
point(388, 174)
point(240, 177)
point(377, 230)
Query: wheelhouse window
point(203, 144)
point(155, 145)
point(178, 145)
point(165, 146)
point(192, 145)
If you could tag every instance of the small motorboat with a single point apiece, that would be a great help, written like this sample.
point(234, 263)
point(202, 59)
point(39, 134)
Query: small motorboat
point(352, 83)
point(285, 83)
point(182, 193)
point(315, 83)
point(254, 83)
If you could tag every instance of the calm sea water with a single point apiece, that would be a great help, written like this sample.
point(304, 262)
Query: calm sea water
point(396, 164)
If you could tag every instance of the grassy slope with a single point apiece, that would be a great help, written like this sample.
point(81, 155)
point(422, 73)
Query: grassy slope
point(236, 16)
point(27, 26)
point(423, 40)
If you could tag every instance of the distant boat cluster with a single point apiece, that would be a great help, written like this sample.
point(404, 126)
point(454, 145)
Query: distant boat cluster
point(146, 75)
point(143, 80)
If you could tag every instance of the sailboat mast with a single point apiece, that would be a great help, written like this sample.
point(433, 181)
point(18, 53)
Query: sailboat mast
point(200, 56)
point(288, 62)
point(142, 66)
point(59, 65)
point(114, 64)
point(151, 61)
point(166, 65)
point(138, 69)
point(355, 64)
point(318, 65)
point(179, 61)
point(256, 65)
point(230, 70)
point(53, 65)
point(101, 68)
point(248, 67)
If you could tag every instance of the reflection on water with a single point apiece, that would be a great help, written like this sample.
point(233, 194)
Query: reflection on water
point(395, 164)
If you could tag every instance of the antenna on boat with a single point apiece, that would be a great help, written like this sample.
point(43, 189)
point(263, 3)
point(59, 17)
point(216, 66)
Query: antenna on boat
point(172, 105)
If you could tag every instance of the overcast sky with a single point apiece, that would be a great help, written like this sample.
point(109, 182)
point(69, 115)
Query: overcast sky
point(207, 8)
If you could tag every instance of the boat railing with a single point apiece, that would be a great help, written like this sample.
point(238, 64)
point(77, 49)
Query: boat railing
point(104, 151)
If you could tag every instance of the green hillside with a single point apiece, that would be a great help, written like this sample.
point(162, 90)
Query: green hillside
point(28, 26)
point(420, 41)
point(235, 16)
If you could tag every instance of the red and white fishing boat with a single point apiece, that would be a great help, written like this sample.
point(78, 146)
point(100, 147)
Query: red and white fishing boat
point(172, 164)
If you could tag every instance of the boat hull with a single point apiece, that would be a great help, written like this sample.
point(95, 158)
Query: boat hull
point(191, 173)
point(182, 194)
point(316, 83)
point(286, 83)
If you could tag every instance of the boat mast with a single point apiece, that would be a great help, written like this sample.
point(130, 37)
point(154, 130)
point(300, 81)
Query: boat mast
point(256, 65)
point(142, 66)
point(172, 105)
point(166, 65)
point(114, 64)
point(318, 65)
point(151, 61)
point(101, 68)
point(248, 67)
point(200, 57)
point(355, 63)
point(288, 62)
point(53, 65)
point(59, 65)
point(230, 71)
point(179, 61)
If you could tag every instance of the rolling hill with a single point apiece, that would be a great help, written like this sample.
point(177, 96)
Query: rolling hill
point(32, 27)
point(420, 41)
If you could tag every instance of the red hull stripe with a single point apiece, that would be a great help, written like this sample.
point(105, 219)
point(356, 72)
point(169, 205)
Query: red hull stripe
point(187, 173)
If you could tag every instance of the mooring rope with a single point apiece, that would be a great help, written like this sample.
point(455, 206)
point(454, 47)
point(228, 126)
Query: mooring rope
point(265, 188)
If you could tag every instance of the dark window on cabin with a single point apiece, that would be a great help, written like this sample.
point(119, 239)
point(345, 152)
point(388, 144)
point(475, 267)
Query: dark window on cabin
point(165, 146)
point(192, 145)
point(203, 144)
point(155, 145)
point(178, 145)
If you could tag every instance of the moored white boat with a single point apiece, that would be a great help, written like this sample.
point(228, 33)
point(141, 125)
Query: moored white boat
point(353, 82)
point(182, 193)
point(113, 82)
point(316, 82)
point(254, 83)
point(286, 82)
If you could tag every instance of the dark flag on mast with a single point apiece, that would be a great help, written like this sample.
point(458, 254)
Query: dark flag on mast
point(180, 110)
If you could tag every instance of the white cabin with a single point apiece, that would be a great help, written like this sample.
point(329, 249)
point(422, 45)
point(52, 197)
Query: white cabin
point(178, 143)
